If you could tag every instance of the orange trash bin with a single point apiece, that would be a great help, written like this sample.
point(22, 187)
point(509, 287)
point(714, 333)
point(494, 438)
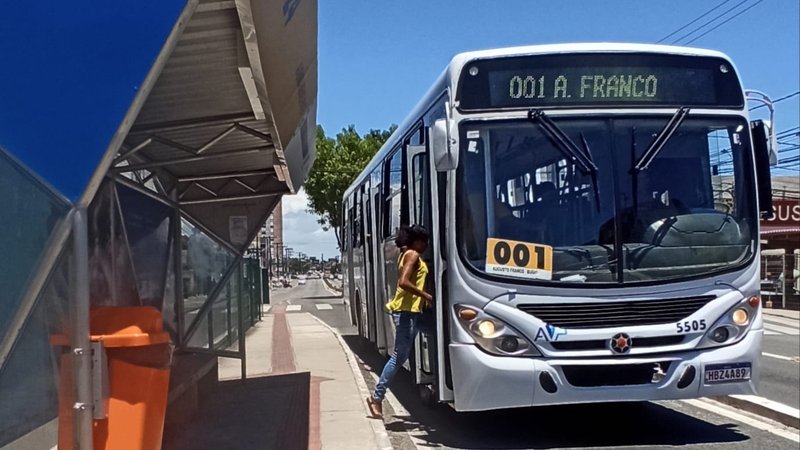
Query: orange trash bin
point(139, 357)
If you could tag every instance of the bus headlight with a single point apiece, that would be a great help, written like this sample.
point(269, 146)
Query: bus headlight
point(493, 335)
point(732, 326)
point(740, 317)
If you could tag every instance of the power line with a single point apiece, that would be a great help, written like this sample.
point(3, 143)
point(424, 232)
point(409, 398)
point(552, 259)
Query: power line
point(788, 132)
point(707, 23)
point(692, 22)
point(726, 21)
point(776, 100)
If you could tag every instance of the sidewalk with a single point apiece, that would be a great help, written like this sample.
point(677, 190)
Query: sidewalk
point(301, 393)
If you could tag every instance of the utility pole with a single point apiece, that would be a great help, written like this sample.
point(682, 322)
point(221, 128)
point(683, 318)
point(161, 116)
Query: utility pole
point(289, 253)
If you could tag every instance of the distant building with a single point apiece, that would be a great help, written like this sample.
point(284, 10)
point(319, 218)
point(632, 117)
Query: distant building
point(780, 245)
point(269, 242)
point(782, 231)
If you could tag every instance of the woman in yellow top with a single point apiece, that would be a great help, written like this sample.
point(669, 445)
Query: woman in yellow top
point(406, 307)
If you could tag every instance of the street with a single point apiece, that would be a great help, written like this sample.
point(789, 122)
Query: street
point(780, 372)
point(694, 424)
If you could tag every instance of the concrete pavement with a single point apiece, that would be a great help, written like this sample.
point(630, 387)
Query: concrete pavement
point(303, 388)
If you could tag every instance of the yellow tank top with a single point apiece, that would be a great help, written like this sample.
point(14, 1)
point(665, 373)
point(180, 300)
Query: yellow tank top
point(406, 301)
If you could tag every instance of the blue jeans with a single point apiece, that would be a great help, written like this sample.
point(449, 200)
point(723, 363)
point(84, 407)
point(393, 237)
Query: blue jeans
point(406, 330)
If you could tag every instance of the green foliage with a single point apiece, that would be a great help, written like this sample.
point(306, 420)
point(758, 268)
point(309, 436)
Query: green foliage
point(339, 161)
point(297, 265)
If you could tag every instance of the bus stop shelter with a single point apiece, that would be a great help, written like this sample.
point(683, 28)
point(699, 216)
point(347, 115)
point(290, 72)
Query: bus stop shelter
point(142, 146)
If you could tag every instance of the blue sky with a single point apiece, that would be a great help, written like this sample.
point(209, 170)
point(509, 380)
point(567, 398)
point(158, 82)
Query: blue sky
point(377, 58)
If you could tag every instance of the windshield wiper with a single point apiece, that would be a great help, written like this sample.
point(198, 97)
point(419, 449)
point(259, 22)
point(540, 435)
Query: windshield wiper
point(663, 136)
point(562, 141)
point(583, 157)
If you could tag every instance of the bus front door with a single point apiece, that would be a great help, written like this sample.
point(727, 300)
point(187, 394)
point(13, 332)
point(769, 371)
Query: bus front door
point(420, 213)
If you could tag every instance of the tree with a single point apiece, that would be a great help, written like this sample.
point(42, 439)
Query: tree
point(338, 163)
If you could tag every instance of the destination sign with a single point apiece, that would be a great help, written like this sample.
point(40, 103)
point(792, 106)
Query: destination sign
point(594, 80)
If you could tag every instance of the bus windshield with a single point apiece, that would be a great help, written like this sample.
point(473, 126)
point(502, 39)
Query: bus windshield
point(689, 212)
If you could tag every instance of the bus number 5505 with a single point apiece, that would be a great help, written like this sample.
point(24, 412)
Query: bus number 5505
point(694, 325)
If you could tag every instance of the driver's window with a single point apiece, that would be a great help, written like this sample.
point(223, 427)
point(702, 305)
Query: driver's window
point(721, 170)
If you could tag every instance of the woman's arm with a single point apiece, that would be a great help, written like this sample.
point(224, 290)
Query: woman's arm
point(410, 262)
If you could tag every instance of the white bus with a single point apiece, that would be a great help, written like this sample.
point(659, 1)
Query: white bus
point(594, 212)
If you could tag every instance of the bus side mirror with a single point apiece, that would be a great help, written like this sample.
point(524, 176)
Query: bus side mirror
point(762, 149)
point(444, 147)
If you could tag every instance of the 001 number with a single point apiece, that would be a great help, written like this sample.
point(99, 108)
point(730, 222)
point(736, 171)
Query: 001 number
point(520, 253)
point(694, 325)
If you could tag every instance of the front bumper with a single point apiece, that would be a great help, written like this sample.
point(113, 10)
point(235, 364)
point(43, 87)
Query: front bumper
point(482, 381)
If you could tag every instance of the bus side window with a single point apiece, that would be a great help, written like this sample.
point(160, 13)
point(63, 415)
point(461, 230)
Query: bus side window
point(356, 214)
point(416, 189)
point(393, 198)
point(345, 226)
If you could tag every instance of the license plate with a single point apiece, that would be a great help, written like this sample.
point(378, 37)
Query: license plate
point(727, 373)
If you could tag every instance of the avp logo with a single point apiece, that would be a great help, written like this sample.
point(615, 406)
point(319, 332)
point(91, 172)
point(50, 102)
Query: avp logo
point(549, 333)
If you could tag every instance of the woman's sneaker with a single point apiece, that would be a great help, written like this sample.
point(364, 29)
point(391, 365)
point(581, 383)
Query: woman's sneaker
point(375, 408)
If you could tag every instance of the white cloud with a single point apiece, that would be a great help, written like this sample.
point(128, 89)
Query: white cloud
point(296, 202)
point(301, 231)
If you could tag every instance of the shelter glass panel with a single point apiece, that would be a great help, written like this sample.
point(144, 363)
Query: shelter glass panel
point(30, 212)
point(204, 263)
point(169, 311)
point(112, 282)
point(37, 368)
point(147, 225)
point(225, 315)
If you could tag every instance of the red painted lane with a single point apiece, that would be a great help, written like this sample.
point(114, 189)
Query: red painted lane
point(283, 362)
point(282, 351)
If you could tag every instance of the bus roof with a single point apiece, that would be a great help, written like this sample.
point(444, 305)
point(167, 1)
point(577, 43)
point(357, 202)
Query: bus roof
point(449, 79)
point(599, 47)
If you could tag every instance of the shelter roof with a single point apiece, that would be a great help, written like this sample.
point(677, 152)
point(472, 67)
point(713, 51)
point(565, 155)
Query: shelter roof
point(229, 124)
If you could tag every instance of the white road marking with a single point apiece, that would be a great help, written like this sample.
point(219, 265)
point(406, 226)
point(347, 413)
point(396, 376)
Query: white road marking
point(265, 308)
point(782, 320)
point(782, 329)
point(771, 333)
point(730, 413)
point(293, 308)
point(323, 306)
point(771, 404)
point(785, 358)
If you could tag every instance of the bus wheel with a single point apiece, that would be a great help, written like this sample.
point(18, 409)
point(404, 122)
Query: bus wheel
point(427, 393)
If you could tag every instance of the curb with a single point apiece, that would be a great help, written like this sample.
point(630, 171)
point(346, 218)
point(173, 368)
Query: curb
point(332, 287)
point(378, 428)
point(785, 415)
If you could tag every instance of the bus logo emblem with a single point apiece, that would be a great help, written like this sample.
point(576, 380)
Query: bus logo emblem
point(621, 343)
point(549, 333)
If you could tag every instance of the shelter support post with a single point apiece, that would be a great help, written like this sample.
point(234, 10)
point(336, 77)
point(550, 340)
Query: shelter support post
point(241, 333)
point(81, 345)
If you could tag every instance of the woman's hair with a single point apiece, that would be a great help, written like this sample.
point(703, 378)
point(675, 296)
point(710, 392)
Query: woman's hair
point(408, 234)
